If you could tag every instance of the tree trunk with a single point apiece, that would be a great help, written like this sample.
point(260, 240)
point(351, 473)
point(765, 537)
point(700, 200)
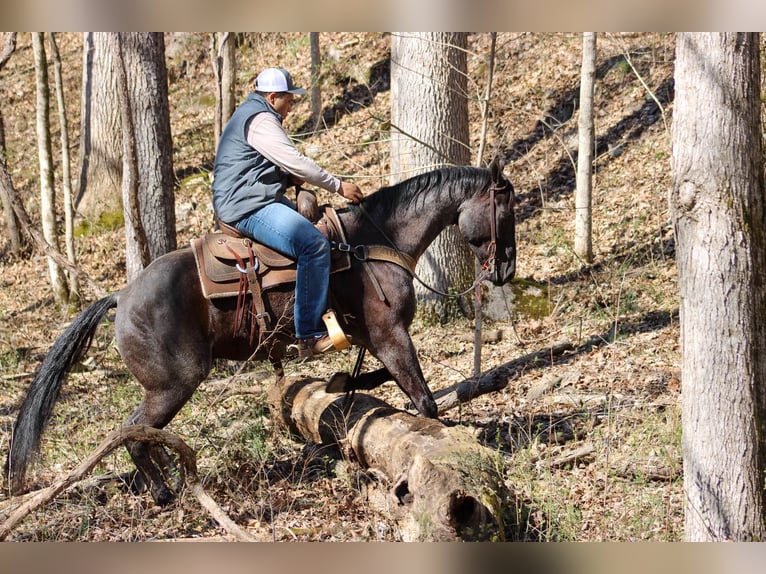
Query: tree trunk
point(316, 92)
point(99, 188)
point(148, 192)
point(717, 203)
point(224, 58)
point(11, 222)
point(429, 129)
point(66, 176)
point(45, 156)
point(477, 313)
point(6, 193)
point(583, 243)
point(441, 484)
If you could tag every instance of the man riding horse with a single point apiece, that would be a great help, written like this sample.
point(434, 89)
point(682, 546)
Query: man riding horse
point(254, 164)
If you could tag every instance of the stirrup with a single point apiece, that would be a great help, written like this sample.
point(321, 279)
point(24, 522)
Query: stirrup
point(334, 331)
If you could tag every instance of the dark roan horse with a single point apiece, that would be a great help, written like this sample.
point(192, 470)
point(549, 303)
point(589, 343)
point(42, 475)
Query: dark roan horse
point(169, 334)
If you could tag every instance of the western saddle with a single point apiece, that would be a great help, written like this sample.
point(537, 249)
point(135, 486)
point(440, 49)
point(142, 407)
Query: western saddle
point(232, 265)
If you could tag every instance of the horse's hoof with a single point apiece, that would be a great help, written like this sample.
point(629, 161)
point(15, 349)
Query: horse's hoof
point(133, 482)
point(427, 407)
point(163, 496)
point(338, 383)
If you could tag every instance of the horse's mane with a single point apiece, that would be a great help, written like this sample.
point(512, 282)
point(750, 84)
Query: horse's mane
point(415, 190)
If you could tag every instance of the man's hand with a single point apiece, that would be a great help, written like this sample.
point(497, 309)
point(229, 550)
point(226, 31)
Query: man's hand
point(351, 191)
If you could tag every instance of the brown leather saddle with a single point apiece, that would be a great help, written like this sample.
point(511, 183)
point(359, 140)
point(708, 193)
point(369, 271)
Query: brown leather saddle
point(232, 265)
point(224, 256)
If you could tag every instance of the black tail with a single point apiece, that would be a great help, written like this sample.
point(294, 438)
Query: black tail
point(36, 409)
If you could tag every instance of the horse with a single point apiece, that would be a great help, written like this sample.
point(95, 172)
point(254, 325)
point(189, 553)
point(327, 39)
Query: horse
point(169, 334)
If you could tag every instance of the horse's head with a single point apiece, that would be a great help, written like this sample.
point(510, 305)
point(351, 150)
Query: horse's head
point(476, 219)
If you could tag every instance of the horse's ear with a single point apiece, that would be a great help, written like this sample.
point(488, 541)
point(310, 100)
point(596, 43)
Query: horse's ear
point(496, 168)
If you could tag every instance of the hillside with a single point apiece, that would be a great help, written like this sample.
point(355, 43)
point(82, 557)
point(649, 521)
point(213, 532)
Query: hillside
point(614, 398)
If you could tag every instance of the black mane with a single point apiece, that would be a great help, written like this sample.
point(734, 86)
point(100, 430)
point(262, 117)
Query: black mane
point(403, 195)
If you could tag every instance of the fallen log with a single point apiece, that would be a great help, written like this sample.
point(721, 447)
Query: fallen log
point(441, 483)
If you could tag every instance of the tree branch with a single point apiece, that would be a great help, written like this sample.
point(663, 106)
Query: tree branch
point(37, 237)
point(495, 379)
point(112, 441)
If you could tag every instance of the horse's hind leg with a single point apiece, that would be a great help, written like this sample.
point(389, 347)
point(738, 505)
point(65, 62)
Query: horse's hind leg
point(162, 329)
point(156, 467)
point(169, 381)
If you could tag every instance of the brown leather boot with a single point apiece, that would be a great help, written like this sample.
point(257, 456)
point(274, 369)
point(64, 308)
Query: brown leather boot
point(312, 346)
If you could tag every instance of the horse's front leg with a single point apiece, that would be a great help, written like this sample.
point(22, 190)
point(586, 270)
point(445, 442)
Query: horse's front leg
point(400, 358)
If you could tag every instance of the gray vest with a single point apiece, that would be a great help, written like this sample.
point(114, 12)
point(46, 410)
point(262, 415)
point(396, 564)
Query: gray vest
point(244, 181)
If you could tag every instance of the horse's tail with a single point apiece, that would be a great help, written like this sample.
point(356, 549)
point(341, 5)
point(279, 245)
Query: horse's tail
point(37, 406)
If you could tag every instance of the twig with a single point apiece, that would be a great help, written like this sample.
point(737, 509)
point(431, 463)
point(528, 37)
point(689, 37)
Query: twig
point(579, 453)
point(626, 53)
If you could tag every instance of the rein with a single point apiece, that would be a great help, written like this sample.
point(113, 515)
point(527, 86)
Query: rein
point(486, 267)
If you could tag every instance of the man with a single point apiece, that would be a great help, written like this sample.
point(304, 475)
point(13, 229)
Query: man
point(254, 165)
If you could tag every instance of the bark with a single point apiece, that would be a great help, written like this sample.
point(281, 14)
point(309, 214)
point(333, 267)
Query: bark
point(441, 484)
point(6, 191)
point(136, 242)
point(429, 129)
point(477, 313)
point(148, 189)
point(583, 243)
point(99, 187)
point(316, 92)
point(486, 100)
point(717, 205)
point(224, 59)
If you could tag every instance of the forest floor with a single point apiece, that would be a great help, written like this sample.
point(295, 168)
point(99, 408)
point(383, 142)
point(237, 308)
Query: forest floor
point(614, 398)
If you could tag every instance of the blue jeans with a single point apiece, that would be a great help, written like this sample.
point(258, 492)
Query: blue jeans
point(282, 228)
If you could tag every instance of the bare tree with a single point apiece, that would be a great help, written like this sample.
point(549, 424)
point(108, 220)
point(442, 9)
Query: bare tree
point(148, 193)
point(11, 221)
point(66, 176)
point(477, 315)
point(224, 57)
point(45, 157)
point(429, 129)
point(717, 203)
point(316, 91)
point(583, 242)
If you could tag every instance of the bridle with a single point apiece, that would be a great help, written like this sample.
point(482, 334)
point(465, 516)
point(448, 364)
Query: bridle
point(487, 267)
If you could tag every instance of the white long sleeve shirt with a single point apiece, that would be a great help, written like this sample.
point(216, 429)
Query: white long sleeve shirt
point(268, 137)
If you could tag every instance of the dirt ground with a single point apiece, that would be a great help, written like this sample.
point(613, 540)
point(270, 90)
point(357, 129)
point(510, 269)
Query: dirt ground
point(614, 397)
